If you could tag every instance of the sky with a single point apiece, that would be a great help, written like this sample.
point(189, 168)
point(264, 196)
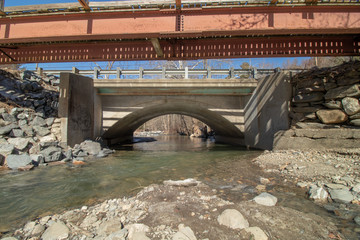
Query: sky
point(255, 62)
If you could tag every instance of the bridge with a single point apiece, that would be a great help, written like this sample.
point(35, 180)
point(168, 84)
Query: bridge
point(114, 108)
point(178, 29)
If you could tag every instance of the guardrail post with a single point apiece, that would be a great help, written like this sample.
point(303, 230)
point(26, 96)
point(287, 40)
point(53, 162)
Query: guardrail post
point(40, 71)
point(141, 73)
point(253, 72)
point(2, 3)
point(118, 72)
point(231, 73)
point(96, 73)
point(163, 73)
point(208, 73)
point(277, 70)
point(75, 70)
point(186, 72)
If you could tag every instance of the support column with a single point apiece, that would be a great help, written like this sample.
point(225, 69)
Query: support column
point(76, 108)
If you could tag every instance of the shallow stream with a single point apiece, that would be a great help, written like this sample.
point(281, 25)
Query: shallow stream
point(52, 189)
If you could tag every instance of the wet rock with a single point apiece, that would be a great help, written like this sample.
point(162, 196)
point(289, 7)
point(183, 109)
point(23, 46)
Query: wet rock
point(16, 161)
point(341, 195)
point(257, 232)
point(318, 193)
point(266, 199)
point(91, 147)
point(56, 231)
point(331, 116)
point(232, 218)
point(7, 129)
point(341, 92)
point(19, 143)
point(351, 105)
point(51, 154)
point(29, 227)
point(37, 159)
point(184, 233)
point(182, 183)
point(26, 168)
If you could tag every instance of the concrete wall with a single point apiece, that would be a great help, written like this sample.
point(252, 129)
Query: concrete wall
point(267, 111)
point(76, 108)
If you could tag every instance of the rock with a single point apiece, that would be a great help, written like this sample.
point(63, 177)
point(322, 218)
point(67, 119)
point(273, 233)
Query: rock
point(19, 143)
point(6, 149)
point(26, 168)
point(357, 220)
point(182, 183)
point(16, 161)
point(8, 117)
point(91, 147)
point(257, 232)
point(51, 154)
point(355, 116)
point(184, 233)
point(336, 186)
point(108, 227)
point(331, 116)
point(56, 231)
point(22, 116)
point(351, 105)
point(48, 141)
point(356, 188)
point(139, 236)
point(38, 121)
point(333, 104)
point(2, 160)
point(232, 218)
point(137, 229)
point(341, 92)
point(29, 227)
point(308, 97)
point(318, 193)
point(355, 122)
point(37, 159)
point(28, 130)
point(266, 199)
point(101, 154)
point(119, 235)
point(9, 238)
point(330, 85)
point(347, 81)
point(50, 121)
point(6, 129)
point(341, 195)
point(41, 131)
point(16, 133)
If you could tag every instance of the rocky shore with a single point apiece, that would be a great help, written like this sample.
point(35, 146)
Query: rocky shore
point(180, 210)
point(30, 133)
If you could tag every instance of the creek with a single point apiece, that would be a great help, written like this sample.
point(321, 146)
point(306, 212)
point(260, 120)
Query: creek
point(53, 189)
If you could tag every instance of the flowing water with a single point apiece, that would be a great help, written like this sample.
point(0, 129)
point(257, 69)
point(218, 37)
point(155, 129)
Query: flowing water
point(52, 189)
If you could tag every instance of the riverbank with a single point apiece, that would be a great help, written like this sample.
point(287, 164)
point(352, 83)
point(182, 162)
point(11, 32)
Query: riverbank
point(186, 210)
point(237, 209)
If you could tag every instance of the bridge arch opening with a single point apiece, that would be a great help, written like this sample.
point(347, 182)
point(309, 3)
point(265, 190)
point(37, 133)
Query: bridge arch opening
point(124, 128)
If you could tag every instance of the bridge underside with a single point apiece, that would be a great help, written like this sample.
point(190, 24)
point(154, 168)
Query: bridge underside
point(124, 128)
point(169, 34)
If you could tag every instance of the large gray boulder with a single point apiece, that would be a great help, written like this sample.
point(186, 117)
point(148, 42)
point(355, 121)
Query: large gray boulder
point(38, 121)
point(318, 193)
point(232, 218)
point(6, 149)
point(56, 231)
point(41, 131)
point(90, 147)
point(20, 143)
point(52, 154)
point(351, 105)
point(17, 161)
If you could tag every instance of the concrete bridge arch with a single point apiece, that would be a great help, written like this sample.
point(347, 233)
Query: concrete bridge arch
point(125, 127)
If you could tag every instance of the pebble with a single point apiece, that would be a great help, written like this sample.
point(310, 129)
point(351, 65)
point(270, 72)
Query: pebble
point(232, 218)
point(257, 232)
point(266, 199)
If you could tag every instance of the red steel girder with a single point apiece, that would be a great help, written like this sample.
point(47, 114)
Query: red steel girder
point(348, 45)
point(187, 23)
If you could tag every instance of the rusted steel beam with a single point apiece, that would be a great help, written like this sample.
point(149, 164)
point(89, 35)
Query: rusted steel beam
point(178, 4)
point(189, 24)
point(2, 12)
point(156, 44)
point(85, 4)
point(340, 45)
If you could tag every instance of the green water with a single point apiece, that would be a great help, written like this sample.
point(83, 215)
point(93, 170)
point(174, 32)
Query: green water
point(46, 190)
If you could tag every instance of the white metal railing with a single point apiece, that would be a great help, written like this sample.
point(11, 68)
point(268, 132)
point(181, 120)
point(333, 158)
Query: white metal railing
point(169, 73)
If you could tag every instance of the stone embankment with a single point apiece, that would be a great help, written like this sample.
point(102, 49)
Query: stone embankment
point(325, 109)
point(180, 210)
point(30, 133)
